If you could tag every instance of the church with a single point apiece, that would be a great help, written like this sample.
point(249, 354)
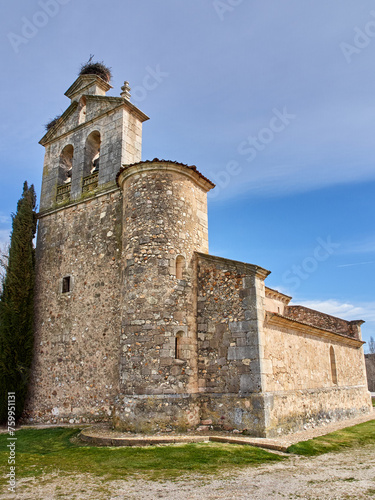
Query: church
point(138, 325)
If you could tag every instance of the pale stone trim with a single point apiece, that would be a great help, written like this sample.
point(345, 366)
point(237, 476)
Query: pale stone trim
point(274, 319)
point(173, 264)
point(275, 294)
point(319, 390)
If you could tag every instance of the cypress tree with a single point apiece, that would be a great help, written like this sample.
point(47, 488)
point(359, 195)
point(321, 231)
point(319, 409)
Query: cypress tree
point(16, 306)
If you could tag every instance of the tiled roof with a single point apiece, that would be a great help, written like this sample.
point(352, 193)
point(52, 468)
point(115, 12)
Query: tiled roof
point(156, 160)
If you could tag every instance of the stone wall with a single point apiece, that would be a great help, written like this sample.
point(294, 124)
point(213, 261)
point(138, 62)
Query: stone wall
point(306, 386)
point(293, 411)
point(165, 218)
point(75, 371)
point(301, 360)
point(370, 369)
point(228, 326)
point(230, 360)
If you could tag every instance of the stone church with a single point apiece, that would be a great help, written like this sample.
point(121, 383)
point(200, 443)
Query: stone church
point(138, 325)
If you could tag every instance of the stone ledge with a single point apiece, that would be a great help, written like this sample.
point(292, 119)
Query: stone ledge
point(252, 269)
point(98, 439)
point(89, 196)
point(104, 436)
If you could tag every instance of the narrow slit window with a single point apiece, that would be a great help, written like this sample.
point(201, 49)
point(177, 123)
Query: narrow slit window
point(66, 284)
point(333, 365)
point(180, 266)
point(177, 348)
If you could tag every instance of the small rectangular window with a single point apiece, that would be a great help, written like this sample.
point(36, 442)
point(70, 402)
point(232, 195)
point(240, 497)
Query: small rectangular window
point(66, 284)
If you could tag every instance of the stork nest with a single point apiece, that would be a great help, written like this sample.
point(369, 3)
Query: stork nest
point(97, 68)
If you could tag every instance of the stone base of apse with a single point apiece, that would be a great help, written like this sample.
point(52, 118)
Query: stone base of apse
point(260, 415)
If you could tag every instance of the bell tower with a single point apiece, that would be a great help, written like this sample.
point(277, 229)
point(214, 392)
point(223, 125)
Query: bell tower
point(78, 292)
point(86, 146)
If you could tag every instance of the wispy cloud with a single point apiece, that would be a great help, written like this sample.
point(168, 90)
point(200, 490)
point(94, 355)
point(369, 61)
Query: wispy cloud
point(5, 219)
point(358, 247)
point(357, 264)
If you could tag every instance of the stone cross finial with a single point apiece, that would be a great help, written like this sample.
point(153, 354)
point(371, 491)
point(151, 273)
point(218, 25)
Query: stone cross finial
point(125, 91)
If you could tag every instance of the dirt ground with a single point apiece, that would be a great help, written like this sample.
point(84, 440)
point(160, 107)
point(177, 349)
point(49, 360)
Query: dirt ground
point(349, 474)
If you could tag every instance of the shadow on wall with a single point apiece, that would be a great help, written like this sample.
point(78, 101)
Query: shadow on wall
point(370, 369)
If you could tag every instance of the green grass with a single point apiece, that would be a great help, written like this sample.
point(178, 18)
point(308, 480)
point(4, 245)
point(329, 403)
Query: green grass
point(349, 437)
point(58, 450)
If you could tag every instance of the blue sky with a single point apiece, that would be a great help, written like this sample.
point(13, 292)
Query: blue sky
point(274, 100)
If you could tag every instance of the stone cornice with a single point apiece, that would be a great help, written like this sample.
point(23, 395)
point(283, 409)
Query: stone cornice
point(251, 269)
point(85, 81)
point(275, 319)
point(166, 166)
point(48, 139)
point(50, 134)
point(119, 101)
point(73, 203)
point(275, 294)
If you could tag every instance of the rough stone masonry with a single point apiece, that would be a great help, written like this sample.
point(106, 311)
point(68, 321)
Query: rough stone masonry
point(138, 325)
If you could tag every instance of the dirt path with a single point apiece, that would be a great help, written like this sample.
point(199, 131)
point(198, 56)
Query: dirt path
point(346, 475)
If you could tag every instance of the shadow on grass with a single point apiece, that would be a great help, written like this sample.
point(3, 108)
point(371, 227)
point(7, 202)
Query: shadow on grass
point(58, 450)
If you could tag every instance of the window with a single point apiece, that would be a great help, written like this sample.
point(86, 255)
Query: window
point(92, 153)
point(178, 350)
point(66, 165)
point(333, 365)
point(180, 267)
point(66, 284)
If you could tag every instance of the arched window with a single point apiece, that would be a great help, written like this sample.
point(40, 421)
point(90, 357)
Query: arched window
point(66, 165)
point(332, 358)
point(82, 111)
point(180, 267)
point(92, 152)
point(178, 347)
